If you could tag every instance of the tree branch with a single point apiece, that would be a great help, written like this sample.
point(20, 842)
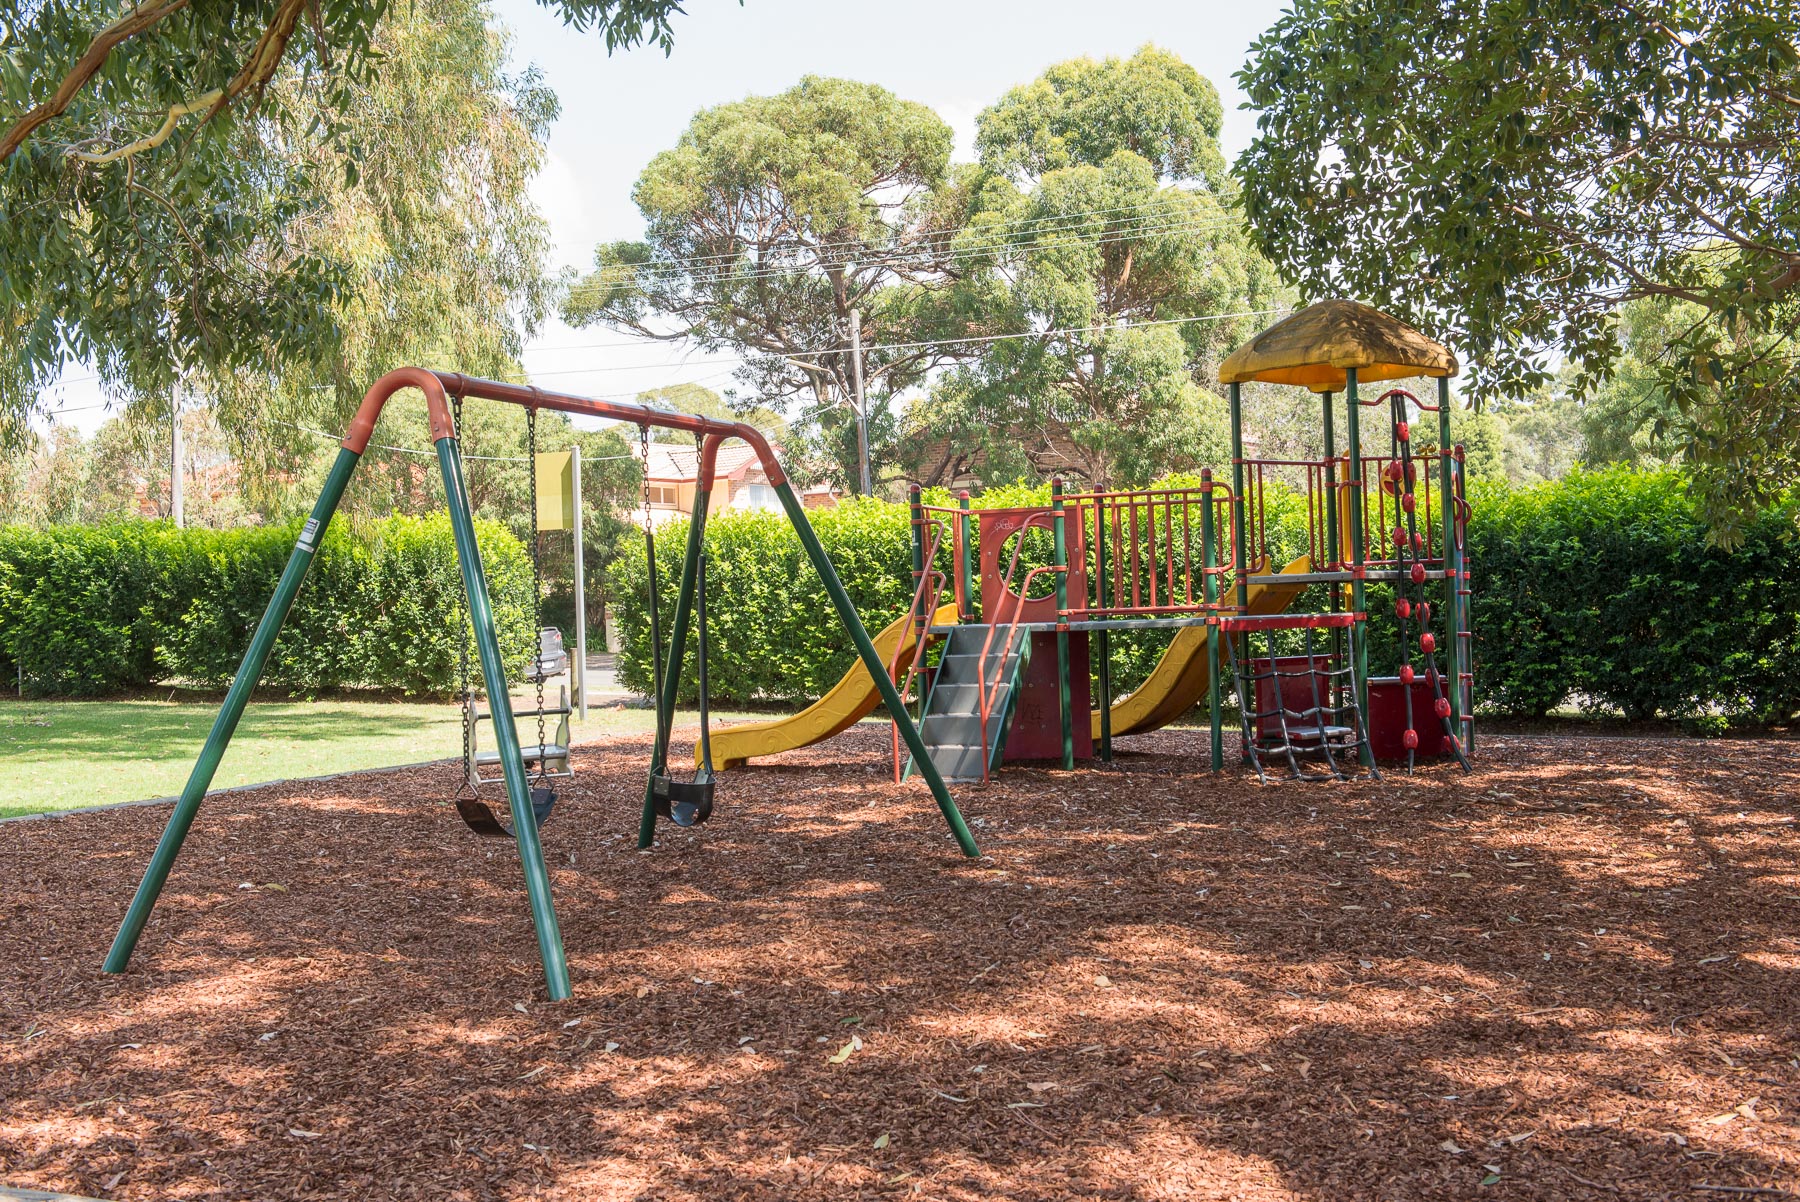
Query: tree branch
point(151, 141)
point(86, 67)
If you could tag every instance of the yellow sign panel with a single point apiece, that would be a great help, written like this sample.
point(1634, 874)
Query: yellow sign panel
point(555, 491)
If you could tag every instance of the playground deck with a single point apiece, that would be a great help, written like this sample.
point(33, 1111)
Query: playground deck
point(1571, 975)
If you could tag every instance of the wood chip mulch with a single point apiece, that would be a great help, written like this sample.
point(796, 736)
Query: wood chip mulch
point(1574, 974)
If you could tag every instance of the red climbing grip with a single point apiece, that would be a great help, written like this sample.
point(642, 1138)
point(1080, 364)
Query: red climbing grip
point(1448, 745)
point(1399, 537)
point(1427, 642)
point(1443, 707)
point(1424, 613)
point(1406, 502)
point(1403, 608)
point(1410, 740)
point(1418, 573)
point(1402, 431)
point(1406, 673)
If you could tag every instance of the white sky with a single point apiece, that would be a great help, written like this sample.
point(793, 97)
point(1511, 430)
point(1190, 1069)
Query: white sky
point(618, 112)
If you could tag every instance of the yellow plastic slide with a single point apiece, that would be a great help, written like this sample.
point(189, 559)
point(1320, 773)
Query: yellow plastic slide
point(1182, 676)
point(850, 701)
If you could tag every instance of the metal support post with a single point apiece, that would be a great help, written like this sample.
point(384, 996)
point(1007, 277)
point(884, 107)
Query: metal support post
point(579, 676)
point(1209, 590)
point(965, 572)
point(506, 734)
point(1103, 640)
point(1065, 703)
point(236, 698)
point(871, 660)
point(1452, 581)
point(1359, 640)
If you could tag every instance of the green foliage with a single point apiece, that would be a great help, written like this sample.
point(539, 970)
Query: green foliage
point(87, 611)
point(1564, 156)
point(768, 222)
point(1602, 589)
point(1097, 243)
point(1151, 104)
point(215, 192)
point(773, 632)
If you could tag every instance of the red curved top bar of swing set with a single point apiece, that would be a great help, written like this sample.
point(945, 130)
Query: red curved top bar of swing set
point(439, 386)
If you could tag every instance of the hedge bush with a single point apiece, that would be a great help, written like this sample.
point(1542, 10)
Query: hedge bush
point(1599, 589)
point(88, 611)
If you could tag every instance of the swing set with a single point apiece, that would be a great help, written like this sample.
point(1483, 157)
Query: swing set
point(530, 798)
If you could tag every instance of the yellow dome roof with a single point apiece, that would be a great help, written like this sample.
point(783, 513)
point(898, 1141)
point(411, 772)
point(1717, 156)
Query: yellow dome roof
point(1312, 348)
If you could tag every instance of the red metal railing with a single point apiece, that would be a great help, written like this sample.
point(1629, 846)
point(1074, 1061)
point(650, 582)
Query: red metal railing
point(1145, 552)
point(920, 612)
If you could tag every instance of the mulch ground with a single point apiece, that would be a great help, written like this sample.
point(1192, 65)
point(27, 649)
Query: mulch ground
point(1574, 974)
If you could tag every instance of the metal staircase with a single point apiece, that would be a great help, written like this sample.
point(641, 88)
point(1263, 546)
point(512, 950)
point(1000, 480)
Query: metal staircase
point(979, 672)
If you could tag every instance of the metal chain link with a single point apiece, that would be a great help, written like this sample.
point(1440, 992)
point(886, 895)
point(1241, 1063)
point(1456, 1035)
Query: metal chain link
point(537, 591)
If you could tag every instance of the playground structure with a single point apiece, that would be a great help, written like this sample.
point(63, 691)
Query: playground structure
point(1027, 642)
point(1012, 673)
point(527, 799)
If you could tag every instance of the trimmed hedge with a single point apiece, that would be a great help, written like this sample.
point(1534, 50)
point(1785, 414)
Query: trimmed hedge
point(88, 611)
point(1599, 590)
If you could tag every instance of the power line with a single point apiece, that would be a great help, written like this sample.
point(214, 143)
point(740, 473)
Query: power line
point(675, 267)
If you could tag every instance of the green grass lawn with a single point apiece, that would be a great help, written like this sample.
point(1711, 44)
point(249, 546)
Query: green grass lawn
point(60, 755)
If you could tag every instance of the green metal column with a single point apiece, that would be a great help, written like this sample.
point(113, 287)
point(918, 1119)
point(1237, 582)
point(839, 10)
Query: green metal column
point(1359, 641)
point(964, 573)
point(1209, 589)
point(1239, 558)
point(890, 696)
point(1065, 703)
point(1332, 548)
point(678, 631)
point(236, 698)
point(1447, 506)
point(916, 516)
point(1103, 637)
point(506, 734)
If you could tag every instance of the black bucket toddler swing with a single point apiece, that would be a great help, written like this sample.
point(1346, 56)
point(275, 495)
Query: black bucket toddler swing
point(689, 802)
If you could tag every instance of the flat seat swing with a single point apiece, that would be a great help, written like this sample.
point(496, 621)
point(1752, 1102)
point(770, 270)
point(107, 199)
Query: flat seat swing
point(547, 758)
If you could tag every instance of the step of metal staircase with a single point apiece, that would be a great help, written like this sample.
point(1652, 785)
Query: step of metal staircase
point(952, 725)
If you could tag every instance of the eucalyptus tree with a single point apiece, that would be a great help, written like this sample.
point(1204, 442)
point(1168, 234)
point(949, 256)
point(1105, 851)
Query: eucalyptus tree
point(167, 169)
point(1105, 239)
point(1512, 173)
point(769, 222)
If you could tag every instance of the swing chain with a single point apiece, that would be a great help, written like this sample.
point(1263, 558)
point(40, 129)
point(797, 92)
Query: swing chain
point(464, 788)
point(537, 592)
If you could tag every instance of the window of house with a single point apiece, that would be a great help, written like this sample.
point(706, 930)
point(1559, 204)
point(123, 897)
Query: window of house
point(662, 494)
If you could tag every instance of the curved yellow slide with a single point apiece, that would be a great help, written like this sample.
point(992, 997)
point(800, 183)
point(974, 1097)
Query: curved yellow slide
point(1182, 676)
point(850, 701)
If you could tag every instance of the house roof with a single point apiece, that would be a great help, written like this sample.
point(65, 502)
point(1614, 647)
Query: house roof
point(674, 462)
point(1315, 347)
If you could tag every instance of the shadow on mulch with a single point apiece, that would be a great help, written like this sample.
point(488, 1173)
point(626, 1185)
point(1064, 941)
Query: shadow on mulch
point(1570, 975)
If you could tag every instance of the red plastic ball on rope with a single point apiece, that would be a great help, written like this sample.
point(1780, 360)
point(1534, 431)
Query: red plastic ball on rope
point(1428, 642)
point(1418, 539)
point(1431, 677)
point(1407, 502)
point(1443, 707)
point(1410, 740)
point(1418, 573)
point(1399, 537)
point(1403, 608)
point(1424, 613)
point(1406, 673)
point(1403, 432)
point(1447, 746)
point(1390, 477)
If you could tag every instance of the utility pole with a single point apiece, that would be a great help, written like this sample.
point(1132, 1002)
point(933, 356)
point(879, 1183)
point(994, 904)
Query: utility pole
point(175, 457)
point(862, 412)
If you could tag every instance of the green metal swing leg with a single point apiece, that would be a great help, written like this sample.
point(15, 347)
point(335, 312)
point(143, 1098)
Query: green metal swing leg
point(236, 698)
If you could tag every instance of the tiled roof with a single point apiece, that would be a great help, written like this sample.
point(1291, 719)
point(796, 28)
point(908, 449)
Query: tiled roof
point(674, 462)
